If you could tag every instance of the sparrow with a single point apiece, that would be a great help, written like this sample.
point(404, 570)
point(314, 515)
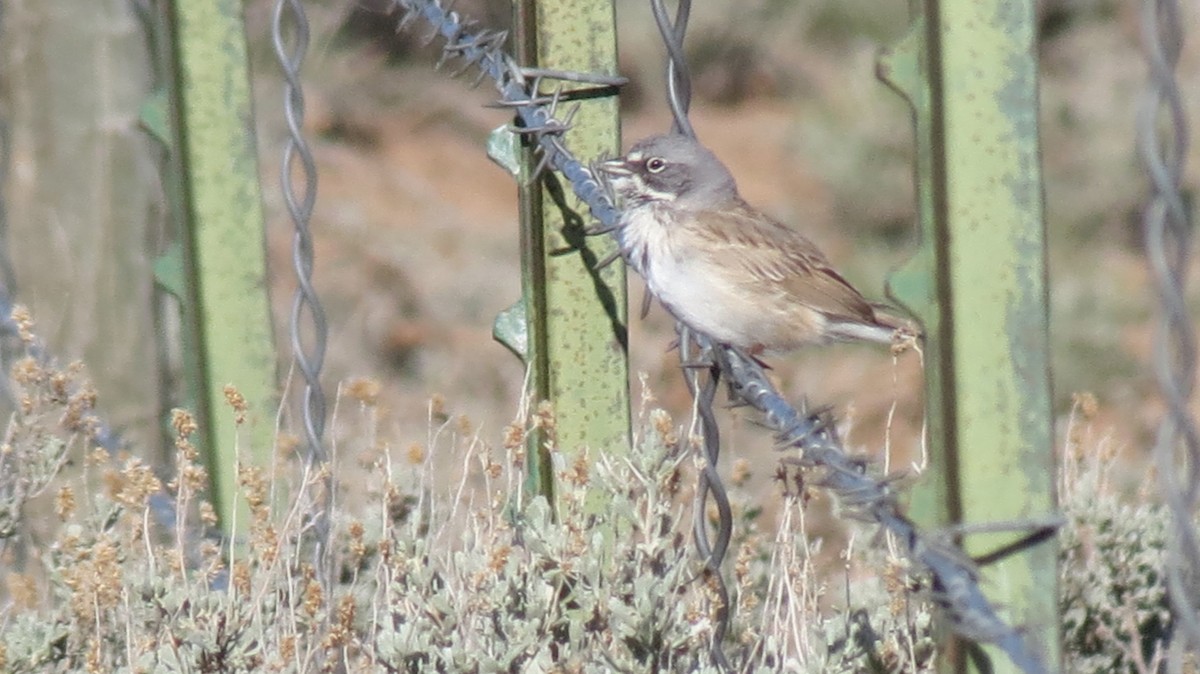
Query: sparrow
point(723, 267)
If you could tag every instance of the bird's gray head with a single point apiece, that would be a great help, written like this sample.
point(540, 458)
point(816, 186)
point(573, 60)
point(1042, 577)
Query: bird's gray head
point(670, 169)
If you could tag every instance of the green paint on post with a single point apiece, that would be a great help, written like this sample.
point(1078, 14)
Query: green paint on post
point(576, 338)
point(226, 308)
point(155, 117)
point(915, 285)
point(979, 284)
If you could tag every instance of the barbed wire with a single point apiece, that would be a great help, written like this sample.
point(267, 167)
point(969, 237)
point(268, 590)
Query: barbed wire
point(1167, 227)
point(307, 315)
point(955, 580)
point(953, 576)
point(520, 90)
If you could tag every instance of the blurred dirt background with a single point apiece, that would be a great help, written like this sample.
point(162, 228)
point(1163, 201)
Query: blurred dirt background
point(416, 231)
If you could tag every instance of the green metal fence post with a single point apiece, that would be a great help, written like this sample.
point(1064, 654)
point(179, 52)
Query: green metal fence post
point(978, 283)
point(226, 309)
point(575, 314)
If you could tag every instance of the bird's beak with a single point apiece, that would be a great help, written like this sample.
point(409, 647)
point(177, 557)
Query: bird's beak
point(615, 167)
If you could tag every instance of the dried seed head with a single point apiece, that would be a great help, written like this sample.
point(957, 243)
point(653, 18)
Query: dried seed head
point(138, 483)
point(499, 558)
point(28, 372)
point(286, 445)
point(237, 401)
point(514, 436)
point(358, 548)
point(365, 391)
point(241, 577)
point(741, 472)
point(183, 422)
point(313, 596)
point(580, 469)
point(1087, 404)
point(24, 320)
point(437, 407)
point(208, 514)
point(64, 503)
point(664, 426)
point(254, 486)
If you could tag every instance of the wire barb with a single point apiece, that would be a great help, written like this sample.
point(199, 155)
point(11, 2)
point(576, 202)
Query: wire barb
point(608, 259)
point(514, 86)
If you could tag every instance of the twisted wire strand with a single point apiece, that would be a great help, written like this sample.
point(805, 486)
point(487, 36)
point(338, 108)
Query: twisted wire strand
point(1162, 147)
point(953, 576)
point(679, 78)
point(710, 485)
point(679, 96)
point(307, 314)
point(300, 203)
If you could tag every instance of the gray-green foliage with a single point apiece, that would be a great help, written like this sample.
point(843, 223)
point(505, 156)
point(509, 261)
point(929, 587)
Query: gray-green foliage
point(608, 580)
point(1115, 613)
point(461, 571)
point(438, 573)
point(602, 581)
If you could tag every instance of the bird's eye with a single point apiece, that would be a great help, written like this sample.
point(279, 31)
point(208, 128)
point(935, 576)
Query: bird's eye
point(656, 164)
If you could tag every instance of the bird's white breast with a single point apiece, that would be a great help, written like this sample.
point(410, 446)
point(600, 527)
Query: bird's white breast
point(682, 275)
point(644, 237)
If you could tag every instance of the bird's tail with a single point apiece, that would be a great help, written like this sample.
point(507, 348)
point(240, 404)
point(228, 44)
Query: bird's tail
point(902, 329)
point(884, 328)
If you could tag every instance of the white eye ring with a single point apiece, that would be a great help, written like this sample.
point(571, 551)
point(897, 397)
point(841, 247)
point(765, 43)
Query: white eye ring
point(656, 164)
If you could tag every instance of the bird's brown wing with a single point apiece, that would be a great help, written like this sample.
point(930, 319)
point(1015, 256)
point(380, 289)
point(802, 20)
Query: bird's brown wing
point(757, 246)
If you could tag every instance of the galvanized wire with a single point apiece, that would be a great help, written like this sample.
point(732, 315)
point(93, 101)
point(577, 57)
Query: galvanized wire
point(308, 317)
point(679, 79)
point(1162, 141)
point(679, 98)
point(953, 577)
point(713, 551)
point(300, 202)
point(483, 49)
